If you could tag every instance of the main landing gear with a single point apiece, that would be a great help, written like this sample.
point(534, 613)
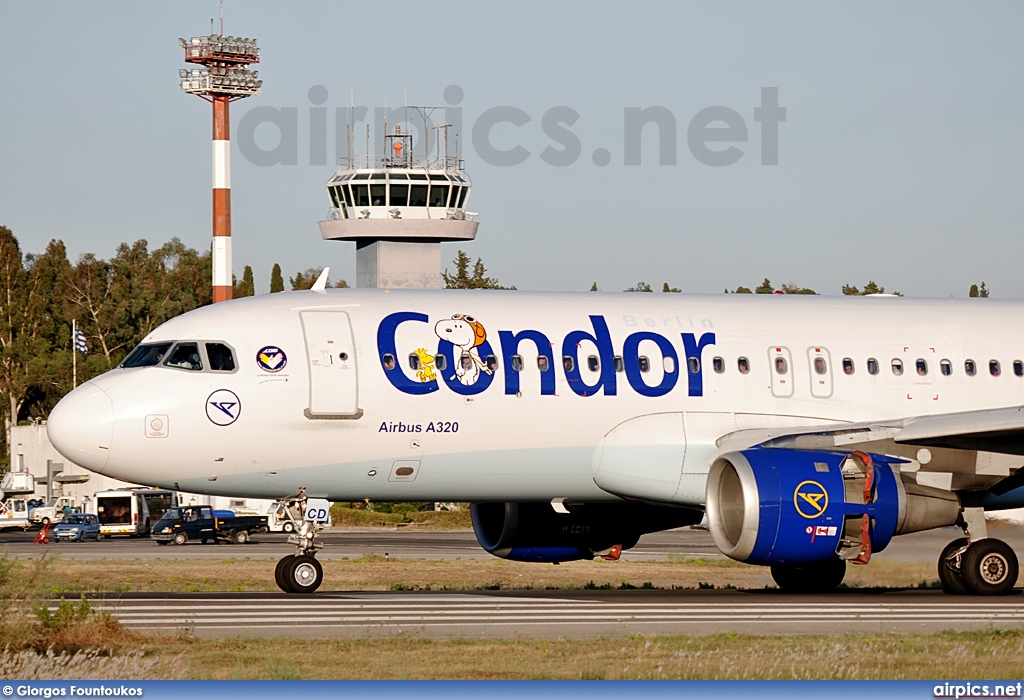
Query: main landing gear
point(299, 572)
point(977, 564)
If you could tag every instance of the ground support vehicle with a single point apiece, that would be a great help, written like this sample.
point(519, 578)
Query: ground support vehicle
point(122, 512)
point(14, 513)
point(52, 512)
point(202, 523)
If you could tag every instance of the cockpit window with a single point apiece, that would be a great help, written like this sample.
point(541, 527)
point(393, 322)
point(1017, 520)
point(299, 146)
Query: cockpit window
point(221, 359)
point(146, 355)
point(185, 356)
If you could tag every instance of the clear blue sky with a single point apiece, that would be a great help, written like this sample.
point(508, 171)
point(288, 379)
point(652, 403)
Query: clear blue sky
point(901, 159)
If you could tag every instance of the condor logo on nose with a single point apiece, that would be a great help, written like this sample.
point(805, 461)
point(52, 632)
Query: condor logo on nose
point(223, 407)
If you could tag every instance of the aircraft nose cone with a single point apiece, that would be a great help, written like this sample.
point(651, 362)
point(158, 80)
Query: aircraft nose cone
point(81, 426)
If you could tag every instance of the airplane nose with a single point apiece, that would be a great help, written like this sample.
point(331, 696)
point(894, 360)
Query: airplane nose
point(81, 426)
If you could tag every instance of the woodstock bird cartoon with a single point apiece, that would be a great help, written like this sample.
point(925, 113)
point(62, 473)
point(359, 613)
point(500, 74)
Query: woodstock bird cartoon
point(466, 334)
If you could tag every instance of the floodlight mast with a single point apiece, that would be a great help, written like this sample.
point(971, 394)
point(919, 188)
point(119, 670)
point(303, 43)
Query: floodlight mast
point(224, 77)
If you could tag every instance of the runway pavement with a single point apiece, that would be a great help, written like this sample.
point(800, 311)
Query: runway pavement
point(551, 613)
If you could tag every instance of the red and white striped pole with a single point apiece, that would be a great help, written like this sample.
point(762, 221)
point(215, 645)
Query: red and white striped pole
point(222, 287)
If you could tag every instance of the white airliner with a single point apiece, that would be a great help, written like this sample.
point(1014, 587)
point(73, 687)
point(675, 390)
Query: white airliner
point(811, 430)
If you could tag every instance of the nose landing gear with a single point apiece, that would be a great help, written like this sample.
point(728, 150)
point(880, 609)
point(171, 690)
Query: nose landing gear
point(299, 572)
point(978, 565)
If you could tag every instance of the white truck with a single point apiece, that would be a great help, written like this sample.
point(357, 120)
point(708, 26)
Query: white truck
point(122, 512)
point(52, 512)
point(317, 510)
point(14, 513)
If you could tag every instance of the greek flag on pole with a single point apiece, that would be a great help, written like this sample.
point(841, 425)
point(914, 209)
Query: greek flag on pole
point(80, 345)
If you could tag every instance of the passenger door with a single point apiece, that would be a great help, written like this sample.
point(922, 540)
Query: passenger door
point(781, 370)
point(819, 365)
point(331, 357)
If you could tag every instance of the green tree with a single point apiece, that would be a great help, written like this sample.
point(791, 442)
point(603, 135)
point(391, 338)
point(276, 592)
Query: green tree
point(978, 292)
point(790, 288)
point(666, 288)
point(593, 287)
point(462, 279)
point(743, 290)
point(26, 292)
point(641, 286)
point(765, 287)
point(305, 280)
point(870, 288)
point(247, 287)
point(341, 284)
point(276, 280)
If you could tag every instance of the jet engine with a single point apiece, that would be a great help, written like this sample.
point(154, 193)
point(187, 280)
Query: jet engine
point(777, 506)
point(535, 532)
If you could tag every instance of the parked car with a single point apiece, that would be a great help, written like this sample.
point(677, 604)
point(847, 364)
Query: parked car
point(77, 527)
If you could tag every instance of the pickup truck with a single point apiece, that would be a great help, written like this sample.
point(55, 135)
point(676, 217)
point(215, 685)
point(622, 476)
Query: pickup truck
point(53, 511)
point(179, 525)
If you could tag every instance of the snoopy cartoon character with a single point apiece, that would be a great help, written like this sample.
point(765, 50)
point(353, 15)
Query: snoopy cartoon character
point(466, 334)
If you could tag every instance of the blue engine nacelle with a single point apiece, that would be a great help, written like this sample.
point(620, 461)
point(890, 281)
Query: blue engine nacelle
point(778, 506)
point(535, 532)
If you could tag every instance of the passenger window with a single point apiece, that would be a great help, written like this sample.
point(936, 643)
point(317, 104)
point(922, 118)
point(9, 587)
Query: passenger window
point(993, 368)
point(221, 358)
point(491, 362)
point(644, 363)
point(517, 363)
point(466, 360)
point(1018, 368)
point(872, 366)
point(388, 360)
point(897, 367)
point(780, 365)
point(819, 365)
point(414, 361)
point(669, 364)
point(718, 364)
point(592, 363)
point(542, 363)
point(922, 367)
point(946, 367)
point(970, 368)
point(743, 365)
point(568, 363)
point(185, 356)
point(146, 355)
point(693, 364)
point(847, 365)
point(618, 364)
point(441, 362)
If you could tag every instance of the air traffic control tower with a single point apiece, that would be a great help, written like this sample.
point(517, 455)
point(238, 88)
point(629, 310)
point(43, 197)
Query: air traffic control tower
point(399, 207)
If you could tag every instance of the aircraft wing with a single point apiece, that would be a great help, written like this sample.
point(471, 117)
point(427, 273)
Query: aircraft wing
point(965, 450)
point(992, 430)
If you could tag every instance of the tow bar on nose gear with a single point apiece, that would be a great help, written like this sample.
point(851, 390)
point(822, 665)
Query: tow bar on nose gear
point(299, 572)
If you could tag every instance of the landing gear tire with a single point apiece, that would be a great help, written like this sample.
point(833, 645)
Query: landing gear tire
point(279, 573)
point(180, 538)
point(303, 574)
point(816, 577)
point(950, 567)
point(989, 567)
